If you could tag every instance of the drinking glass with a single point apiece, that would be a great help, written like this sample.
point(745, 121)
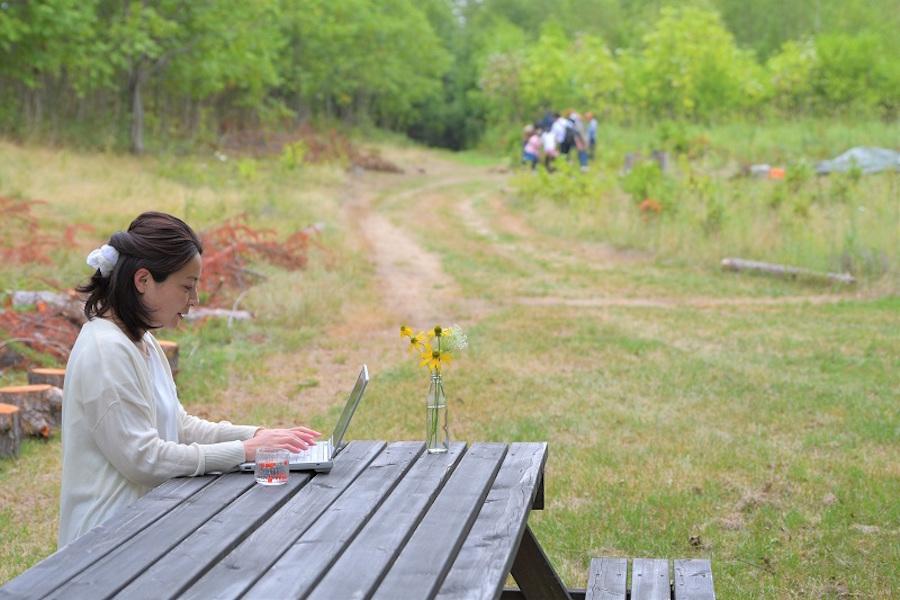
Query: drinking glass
point(272, 466)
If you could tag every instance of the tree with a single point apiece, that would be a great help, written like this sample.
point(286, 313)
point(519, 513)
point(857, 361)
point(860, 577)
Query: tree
point(689, 66)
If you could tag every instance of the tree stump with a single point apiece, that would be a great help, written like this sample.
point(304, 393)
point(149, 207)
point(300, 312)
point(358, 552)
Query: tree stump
point(54, 377)
point(40, 405)
point(171, 350)
point(10, 430)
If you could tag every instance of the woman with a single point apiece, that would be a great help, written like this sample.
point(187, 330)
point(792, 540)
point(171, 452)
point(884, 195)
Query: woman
point(124, 430)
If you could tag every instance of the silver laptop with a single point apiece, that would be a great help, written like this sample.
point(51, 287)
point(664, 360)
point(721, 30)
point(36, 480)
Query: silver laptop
point(320, 456)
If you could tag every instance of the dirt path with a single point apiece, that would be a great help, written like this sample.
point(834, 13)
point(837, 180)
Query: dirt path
point(408, 279)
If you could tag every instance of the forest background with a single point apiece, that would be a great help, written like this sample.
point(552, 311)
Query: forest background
point(450, 73)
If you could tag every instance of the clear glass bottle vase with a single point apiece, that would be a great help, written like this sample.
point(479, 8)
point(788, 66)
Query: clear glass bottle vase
point(437, 435)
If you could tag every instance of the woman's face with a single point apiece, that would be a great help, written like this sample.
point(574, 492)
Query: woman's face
point(170, 300)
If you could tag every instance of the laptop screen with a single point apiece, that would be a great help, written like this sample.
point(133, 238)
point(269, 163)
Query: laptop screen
point(352, 402)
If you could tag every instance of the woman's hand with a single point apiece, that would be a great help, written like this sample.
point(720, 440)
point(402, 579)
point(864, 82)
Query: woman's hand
point(294, 439)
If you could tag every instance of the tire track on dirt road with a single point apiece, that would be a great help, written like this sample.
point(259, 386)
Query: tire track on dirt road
point(526, 242)
point(412, 288)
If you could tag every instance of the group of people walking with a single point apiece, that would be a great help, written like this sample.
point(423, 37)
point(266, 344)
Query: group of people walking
point(557, 135)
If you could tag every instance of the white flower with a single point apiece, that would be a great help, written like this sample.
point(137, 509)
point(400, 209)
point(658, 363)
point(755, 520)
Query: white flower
point(104, 258)
point(457, 340)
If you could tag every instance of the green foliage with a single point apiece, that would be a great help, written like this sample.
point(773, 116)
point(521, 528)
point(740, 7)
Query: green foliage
point(356, 57)
point(442, 71)
point(292, 155)
point(644, 181)
point(690, 66)
point(567, 186)
point(856, 72)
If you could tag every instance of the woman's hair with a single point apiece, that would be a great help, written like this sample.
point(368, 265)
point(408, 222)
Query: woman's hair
point(158, 242)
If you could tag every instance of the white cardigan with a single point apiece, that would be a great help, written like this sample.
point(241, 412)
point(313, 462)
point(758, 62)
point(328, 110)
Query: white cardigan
point(112, 452)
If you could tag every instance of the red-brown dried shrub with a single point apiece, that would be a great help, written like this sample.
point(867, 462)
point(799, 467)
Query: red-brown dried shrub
point(229, 248)
point(21, 238)
point(649, 208)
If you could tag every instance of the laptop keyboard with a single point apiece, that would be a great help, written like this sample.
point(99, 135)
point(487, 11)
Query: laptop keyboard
point(319, 452)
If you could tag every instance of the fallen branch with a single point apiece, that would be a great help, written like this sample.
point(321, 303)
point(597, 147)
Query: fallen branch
point(204, 313)
point(67, 304)
point(740, 264)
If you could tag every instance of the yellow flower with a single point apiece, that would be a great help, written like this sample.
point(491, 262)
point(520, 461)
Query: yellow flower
point(442, 331)
point(417, 341)
point(406, 331)
point(434, 359)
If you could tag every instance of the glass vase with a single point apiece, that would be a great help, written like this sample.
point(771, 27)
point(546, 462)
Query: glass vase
point(437, 436)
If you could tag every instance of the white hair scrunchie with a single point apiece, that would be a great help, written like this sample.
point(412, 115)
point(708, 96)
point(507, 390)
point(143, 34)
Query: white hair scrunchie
point(104, 258)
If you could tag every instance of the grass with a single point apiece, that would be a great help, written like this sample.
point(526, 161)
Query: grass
point(764, 436)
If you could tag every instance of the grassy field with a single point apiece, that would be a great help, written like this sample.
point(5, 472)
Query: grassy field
point(689, 412)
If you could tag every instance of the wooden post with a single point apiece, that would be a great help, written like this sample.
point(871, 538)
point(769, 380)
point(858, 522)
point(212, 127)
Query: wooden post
point(171, 350)
point(10, 430)
point(54, 377)
point(40, 405)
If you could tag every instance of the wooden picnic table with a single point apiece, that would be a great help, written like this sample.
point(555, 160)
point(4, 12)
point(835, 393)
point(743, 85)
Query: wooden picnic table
point(389, 521)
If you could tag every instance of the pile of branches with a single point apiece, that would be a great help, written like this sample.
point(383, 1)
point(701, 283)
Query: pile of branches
point(231, 247)
point(320, 147)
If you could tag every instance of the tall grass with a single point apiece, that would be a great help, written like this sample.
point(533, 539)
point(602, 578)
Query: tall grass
point(709, 207)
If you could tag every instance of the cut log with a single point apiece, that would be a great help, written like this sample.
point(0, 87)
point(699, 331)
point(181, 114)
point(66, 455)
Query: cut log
point(171, 350)
point(40, 405)
point(10, 430)
point(740, 264)
point(50, 376)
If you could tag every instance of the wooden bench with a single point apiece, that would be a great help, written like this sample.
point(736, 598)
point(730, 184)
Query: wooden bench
point(651, 579)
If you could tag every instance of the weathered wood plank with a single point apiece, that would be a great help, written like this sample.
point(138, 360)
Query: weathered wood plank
point(693, 580)
point(422, 564)
point(517, 594)
point(486, 556)
point(180, 567)
point(301, 567)
point(360, 568)
point(533, 572)
point(117, 569)
point(240, 569)
point(607, 579)
point(650, 579)
point(58, 568)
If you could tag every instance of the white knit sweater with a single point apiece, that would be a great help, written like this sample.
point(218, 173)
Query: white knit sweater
point(112, 452)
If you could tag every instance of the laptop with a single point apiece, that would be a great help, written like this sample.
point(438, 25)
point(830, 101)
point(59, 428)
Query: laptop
point(320, 456)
